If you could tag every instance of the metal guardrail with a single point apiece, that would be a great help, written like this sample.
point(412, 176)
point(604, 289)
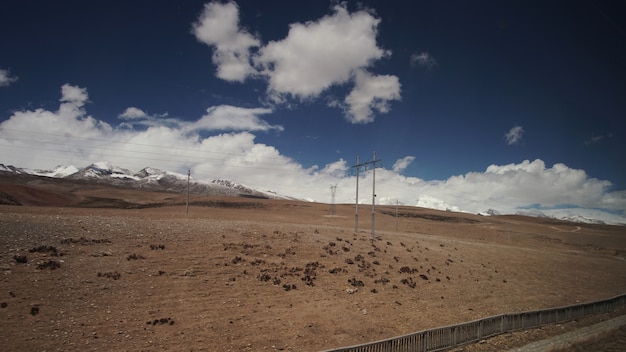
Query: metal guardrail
point(442, 338)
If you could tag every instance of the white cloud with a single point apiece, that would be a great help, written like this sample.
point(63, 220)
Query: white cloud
point(314, 56)
point(43, 136)
point(45, 139)
point(423, 59)
point(401, 164)
point(132, 113)
point(318, 54)
point(6, 78)
point(218, 26)
point(533, 182)
point(217, 118)
point(505, 188)
point(231, 118)
point(371, 93)
point(594, 139)
point(70, 136)
point(133, 117)
point(428, 201)
point(74, 95)
point(514, 135)
point(336, 169)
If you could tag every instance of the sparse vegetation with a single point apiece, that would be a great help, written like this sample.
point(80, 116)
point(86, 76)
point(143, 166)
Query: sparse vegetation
point(110, 275)
point(50, 264)
point(236, 272)
point(21, 259)
point(135, 256)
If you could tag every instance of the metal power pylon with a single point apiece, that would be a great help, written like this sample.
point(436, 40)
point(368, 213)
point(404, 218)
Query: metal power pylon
point(333, 190)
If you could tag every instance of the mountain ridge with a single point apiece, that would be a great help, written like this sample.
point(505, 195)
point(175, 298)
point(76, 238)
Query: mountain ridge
point(148, 178)
point(153, 179)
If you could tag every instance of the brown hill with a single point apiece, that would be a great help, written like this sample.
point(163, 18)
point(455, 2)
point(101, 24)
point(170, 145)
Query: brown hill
point(26, 189)
point(120, 269)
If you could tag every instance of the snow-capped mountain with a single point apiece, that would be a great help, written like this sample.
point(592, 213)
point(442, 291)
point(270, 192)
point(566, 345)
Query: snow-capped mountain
point(583, 219)
point(152, 179)
point(59, 171)
point(489, 212)
point(103, 169)
point(148, 179)
point(11, 168)
point(248, 190)
point(532, 212)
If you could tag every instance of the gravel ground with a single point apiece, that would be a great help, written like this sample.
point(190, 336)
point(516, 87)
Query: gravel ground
point(254, 275)
point(597, 337)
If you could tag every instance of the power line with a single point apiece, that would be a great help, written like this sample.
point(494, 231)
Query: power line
point(187, 158)
point(124, 142)
point(176, 158)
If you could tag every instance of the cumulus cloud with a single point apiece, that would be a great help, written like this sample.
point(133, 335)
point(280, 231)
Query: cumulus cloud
point(401, 164)
point(334, 50)
point(218, 26)
point(231, 118)
point(44, 139)
point(371, 93)
point(70, 136)
point(217, 118)
point(537, 183)
point(423, 59)
point(73, 96)
point(43, 126)
point(133, 113)
point(6, 78)
point(510, 188)
point(318, 54)
point(514, 135)
point(336, 169)
point(134, 117)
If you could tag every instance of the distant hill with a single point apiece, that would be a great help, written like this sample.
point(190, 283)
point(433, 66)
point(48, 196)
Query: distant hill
point(69, 185)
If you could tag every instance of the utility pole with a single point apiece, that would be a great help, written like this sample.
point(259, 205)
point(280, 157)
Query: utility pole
point(373, 190)
point(358, 168)
point(333, 190)
point(187, 205)
point(356, 207)
point(396, 215)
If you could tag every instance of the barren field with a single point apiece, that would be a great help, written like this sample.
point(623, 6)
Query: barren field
point(239, 274)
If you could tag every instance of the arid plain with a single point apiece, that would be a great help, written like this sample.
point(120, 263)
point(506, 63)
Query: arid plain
point(95, 268)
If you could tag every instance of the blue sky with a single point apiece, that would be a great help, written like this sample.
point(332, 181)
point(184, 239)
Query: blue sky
point(525, 95)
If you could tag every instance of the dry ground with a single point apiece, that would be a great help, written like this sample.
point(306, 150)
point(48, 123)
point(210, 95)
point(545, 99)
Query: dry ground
point(250, 274)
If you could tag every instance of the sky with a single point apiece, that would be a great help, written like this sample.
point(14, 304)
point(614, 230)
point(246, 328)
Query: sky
point(514, 106)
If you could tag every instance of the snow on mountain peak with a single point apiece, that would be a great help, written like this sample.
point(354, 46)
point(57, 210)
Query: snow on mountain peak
point(490, 212)
point(152, 178)
point(10, 168)
point(152, 174)
point(58, 172)
point(104, 168)
point(150, 171)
